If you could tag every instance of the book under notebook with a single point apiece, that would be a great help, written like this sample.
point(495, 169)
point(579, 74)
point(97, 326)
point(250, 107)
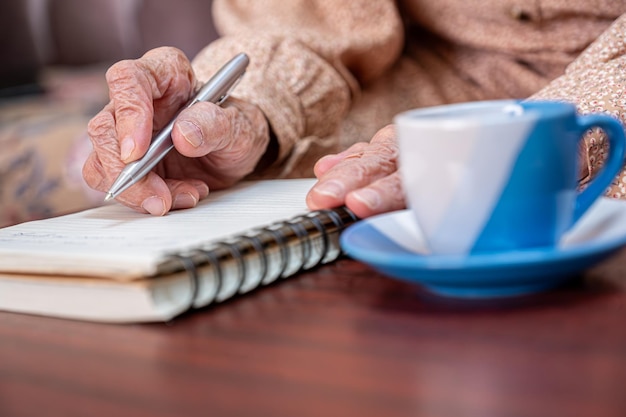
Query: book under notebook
point(114, 264)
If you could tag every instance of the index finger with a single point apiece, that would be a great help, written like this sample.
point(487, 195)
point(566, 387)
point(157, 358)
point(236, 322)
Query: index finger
point(145, 94)
point(357, 167)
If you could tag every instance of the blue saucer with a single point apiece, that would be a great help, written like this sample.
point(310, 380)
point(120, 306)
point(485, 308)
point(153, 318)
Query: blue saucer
point(392, 244)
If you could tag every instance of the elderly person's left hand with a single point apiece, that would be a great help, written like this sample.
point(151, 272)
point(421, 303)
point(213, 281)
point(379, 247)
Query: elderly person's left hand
point(364, 177)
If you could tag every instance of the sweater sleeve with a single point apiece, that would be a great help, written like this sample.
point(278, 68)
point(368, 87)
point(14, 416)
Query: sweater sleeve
point(596, 82)
point(308, 58)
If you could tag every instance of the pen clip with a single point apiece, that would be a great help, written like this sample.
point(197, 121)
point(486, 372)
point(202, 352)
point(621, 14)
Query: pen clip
point(227, 93)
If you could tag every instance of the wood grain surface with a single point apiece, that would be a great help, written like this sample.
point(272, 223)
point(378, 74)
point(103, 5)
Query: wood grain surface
point(341, 340)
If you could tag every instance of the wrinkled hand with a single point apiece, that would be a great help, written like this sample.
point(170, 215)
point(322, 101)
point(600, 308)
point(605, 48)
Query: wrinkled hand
point(215, 146)
point(364, 177)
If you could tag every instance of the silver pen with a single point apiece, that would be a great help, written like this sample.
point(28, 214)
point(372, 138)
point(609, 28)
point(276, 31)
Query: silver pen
point(216, 90)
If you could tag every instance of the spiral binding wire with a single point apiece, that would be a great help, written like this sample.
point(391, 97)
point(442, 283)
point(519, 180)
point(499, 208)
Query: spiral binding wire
point(246, 262)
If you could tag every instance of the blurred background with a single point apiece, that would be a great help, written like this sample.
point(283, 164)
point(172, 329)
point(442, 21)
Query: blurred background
point(54, 54)
point(74, 33)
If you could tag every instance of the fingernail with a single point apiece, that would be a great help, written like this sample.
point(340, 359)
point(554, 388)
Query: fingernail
point(331, 188)
point(126, 147)
point(191, 132)
point(184, 200)
point(203, 190)
point(154, 205)
point(368, 197)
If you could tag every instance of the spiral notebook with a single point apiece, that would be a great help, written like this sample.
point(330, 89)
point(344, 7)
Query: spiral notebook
point(113, 264)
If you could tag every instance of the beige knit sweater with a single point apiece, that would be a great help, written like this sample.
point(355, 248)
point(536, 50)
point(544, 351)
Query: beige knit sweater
point(328, 73)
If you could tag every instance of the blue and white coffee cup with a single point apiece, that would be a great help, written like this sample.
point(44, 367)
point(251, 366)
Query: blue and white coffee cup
point(499, 175)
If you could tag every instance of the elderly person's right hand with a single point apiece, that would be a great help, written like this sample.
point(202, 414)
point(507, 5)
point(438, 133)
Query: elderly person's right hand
point(215, 146)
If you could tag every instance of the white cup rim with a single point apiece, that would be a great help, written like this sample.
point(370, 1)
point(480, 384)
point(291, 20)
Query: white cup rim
point(479, 112)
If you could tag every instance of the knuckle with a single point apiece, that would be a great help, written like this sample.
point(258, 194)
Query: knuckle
point(373, 161)
point(122, 73)
point(388, 151)
point(385, 135)
point(179, 58)
point(394, 185)
point(356, 151)
point(98, 125)
point(170, 68)
point(391, 188)
point(357, 169)
point(130, 109)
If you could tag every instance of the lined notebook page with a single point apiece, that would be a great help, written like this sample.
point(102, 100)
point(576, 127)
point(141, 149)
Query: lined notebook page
point(116, 242)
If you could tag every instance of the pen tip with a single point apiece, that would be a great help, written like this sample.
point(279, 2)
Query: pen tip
point(108, 197)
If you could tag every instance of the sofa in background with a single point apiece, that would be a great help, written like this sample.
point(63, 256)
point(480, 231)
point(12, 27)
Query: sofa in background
point(54, 55)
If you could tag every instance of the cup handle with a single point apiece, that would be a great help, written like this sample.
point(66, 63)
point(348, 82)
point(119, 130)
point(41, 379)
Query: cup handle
point(617, 144)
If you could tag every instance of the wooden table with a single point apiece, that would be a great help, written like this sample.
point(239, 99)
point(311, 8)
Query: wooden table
point(338, 341)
